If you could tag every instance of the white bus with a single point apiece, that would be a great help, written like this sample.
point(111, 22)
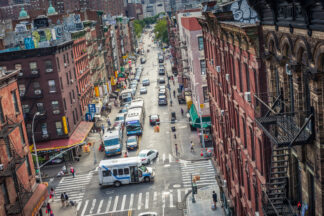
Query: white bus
point(137, 103)
point(134, 121)
point(124, 171)
point(126, 96)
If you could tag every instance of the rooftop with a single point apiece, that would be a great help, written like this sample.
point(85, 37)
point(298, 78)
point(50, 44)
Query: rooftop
point(6, 74)
point(190, 23)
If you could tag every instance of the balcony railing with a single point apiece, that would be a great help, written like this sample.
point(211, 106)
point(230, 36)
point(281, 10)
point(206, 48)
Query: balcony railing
point(282, 127)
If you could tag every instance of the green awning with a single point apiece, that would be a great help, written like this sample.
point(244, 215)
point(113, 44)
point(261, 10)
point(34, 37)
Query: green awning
point(195, 120)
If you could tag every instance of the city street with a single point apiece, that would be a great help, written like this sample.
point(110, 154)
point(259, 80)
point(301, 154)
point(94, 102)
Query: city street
point(166, 195)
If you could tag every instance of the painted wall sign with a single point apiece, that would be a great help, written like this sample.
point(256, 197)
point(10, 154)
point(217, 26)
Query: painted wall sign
point(242, 12)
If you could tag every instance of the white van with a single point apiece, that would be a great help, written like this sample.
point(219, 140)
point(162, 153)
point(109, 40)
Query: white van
point(124, 171)
point(113, 141)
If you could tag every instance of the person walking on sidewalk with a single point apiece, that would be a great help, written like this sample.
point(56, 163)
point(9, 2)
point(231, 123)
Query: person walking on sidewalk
point(48, 208)
point(176, 148)
point(192, 146)
point(72, 171)
point(174, 93)
point(62, 199)
point(214, 200)
point(52, 193)
point(66, 199)
point(182, 111)
point(108, 121)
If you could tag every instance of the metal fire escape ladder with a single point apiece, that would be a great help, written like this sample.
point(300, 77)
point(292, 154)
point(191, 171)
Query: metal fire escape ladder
point(284, 131)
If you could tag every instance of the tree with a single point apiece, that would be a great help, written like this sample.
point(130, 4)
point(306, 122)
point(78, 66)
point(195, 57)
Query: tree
point(161, 30)
point(138, 28)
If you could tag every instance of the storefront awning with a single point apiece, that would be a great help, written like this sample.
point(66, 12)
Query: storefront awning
point(78, 136)
point(36, 200)
point(196, 120)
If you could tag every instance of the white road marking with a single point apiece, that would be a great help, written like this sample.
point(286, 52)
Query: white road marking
point(99, 207)
point(179, 195)
point(115, 203)
point(51, 179)
point(61, 180)
point(93, 205)
point(78, 206)
point(109, 204)
point(170, 158)
point(123, 203)
point(85, 207)
point(147, 200)
point(171, 200)
point(163, 158)
point(131, 201)
point(155, 199)
point(139, 201)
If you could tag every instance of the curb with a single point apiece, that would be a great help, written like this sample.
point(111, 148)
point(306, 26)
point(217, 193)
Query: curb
point(66, 175)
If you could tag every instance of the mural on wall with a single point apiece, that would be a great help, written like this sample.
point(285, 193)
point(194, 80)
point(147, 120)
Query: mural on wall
point(242, 12)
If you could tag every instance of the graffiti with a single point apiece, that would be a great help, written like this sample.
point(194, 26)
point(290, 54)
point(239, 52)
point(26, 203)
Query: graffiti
point(242, 12)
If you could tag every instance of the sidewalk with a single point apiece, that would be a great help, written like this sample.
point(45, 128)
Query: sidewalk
point(203, 204)
point(58, 210)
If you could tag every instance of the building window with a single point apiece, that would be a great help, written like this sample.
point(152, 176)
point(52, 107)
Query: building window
point(261, 156)
point(67, 58)
point(40, 107)
point(248, 185)
point(18, 66)
point(203, 67)
point(59, 128)
point(22, 89)
point(58, 63)
point(36, 85)
point(247, 77)
point(256, 197)
point(52, 87)
point(238, 123)
point(205, 93)
point(76, 114)
point(73, 117)
point(25, 108)
point(8, 150)
point(73, 96)
point(15, 101)
point(201, 43)
point(252, 144)
point(48, 66)
point(70, 97)
point(44, 128)
point(28, 165)
point(233, 66)
point(67, 78)
point(240, 74)
point(64, 103)
point(61, 83)
point(2, 118)
point(22, 136)
point(55, 107)
point(70, 75)
point(244, 133)
point(33, 66)
point(5, 193)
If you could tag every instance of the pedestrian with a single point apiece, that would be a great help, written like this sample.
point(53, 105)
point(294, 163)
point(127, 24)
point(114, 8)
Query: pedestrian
point(62, 199)
point(174, 93)
point(66, 199)
point(103, 128)
point(170, 102)
point(181, 111)
point(108, 121)
point(48, 208)
point(176, 148)
point(175, 136)
point(192, 146)
point(52, 194)
point(214, 200)
point(72, 171)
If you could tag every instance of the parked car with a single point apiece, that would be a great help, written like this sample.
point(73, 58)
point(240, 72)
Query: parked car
point(181, 99)
point(143, 60)
point(132, 142)
point(146, 82)
point(161, 71)
point(143, 90)
point(154, 119)
point(161, 80)
point(147, 156)
point(162, 92)
point(163, 100)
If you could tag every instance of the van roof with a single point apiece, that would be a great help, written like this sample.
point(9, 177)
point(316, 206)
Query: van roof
point(111, 133)
point(119, 161)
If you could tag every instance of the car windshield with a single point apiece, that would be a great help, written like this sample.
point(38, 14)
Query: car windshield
point(111, 142)
point(143, 168)
point(118, 118)
point(131, 139)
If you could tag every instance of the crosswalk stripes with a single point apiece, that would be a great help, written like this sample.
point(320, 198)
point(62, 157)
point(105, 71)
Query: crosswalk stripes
point(125, 202)
point(204, 169)
point(74, 187)
point(165, 158)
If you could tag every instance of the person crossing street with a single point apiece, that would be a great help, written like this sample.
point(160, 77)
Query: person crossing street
point(192, 146)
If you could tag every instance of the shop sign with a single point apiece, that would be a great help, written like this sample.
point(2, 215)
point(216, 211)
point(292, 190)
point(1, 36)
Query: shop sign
point(38, 205)
point(92, 108)
point(96, 91)
point(66, 131)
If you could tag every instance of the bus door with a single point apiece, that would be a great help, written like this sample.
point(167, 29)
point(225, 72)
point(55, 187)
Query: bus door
point(134, 173)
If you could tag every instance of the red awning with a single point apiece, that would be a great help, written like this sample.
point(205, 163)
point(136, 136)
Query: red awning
point(36, 200)
point(78, 136)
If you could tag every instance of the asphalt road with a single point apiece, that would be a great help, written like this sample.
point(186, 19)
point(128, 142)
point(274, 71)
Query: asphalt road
point(172, 181)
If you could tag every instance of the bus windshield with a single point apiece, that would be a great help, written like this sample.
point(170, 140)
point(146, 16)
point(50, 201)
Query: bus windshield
point(111, 142)
point(127, 99)
point(133, 127)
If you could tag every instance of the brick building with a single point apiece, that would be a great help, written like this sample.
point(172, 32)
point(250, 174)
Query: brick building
point(19, 193)
point(234, 75)
point(134, 10)
point(292, 107)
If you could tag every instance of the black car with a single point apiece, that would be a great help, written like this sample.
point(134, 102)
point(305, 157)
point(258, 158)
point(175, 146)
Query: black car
point(161, 80)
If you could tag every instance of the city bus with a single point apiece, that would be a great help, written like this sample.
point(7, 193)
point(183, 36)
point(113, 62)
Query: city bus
point(137, 103)
point(125, 97)
point(134, 121)
point(124, 171)
point(113, 141)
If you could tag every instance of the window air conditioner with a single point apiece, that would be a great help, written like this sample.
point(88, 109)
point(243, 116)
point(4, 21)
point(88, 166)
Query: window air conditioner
point(247, 96)
point(49, 70)
point(65, 64)
point(38, 92)
point(227, 77)
point(45, 135)
point(71, 80)
point(56, 111)
point(1, 167)
point(73, 100)
point(34, 72)
point(218, 69)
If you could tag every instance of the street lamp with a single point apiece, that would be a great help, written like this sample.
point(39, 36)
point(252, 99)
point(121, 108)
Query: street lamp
point(35, 149)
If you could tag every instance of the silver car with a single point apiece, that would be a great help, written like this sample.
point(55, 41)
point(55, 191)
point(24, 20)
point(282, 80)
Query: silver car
point(143, 90)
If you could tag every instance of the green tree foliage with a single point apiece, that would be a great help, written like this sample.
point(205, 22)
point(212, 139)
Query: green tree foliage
point(139, 25)
point(161, 30)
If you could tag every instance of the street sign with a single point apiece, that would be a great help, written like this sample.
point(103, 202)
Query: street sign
point(92, 108)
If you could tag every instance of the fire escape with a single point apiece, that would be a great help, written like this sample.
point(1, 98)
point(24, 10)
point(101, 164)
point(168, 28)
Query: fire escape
point(284, 130)
point(16, 158)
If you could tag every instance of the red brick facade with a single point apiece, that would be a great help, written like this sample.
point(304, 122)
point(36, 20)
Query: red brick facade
point(234, 75)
